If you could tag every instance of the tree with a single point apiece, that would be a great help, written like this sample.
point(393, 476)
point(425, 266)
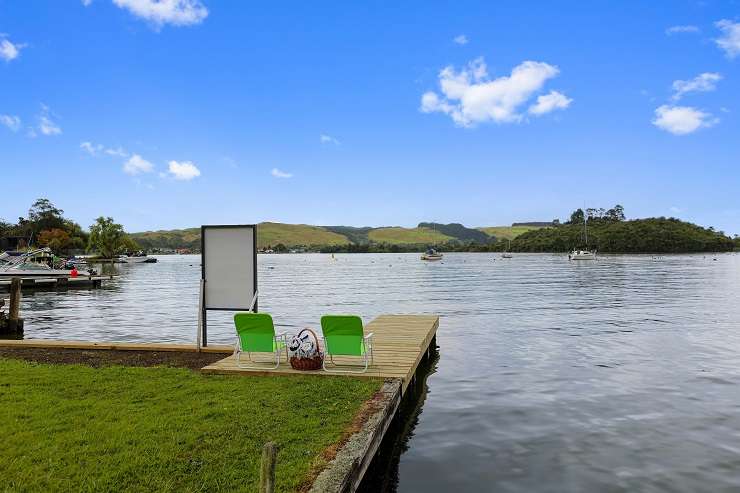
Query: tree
point(44, 215)
point(57, 239)
point(576, 217)
point(107, 237)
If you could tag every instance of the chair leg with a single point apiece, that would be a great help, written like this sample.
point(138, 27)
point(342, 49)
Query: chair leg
point(248, 367)
point(346, 370)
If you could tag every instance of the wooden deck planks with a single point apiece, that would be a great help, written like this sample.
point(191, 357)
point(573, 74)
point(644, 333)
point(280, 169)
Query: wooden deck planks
point(400, 342)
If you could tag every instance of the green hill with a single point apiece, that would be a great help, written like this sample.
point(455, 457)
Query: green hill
point(652, 235)
point(270, 234)
point(507, 232)
point(407, 236)
point(171, 239)
point(609, 232)
point(459, 232)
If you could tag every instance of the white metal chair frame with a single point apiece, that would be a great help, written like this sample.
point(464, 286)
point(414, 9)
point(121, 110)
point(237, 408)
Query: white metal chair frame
point(367, 342)
point(238, 350)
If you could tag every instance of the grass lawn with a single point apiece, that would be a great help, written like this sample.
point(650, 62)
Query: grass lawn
point(76, 428)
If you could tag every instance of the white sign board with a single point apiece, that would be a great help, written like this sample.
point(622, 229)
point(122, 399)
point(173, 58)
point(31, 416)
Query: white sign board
point(229, 267)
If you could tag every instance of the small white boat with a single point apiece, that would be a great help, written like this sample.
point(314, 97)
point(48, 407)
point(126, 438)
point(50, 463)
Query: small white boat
point(431, 255)
point(582, 255)
point(137, 258)
point(506, 253)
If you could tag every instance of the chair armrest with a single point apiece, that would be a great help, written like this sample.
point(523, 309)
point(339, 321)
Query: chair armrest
point(369, 336)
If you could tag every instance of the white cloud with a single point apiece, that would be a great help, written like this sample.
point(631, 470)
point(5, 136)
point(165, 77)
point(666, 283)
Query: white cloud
point(185, 170)
point(119, 152)
point(328, 139)
point(47, 126)
point(470, 97)
point(91, 148)
point(550, 102)
point(460, 39)
point(730, 39)
point(97, 149)
point(675, 210)
point(280, 174)
point(11, 121)
point(701, 83)
point(9, 50)
point(86, 3)
point(681, 29)
point(136, 165)
point(682, 120)
point(160, 12)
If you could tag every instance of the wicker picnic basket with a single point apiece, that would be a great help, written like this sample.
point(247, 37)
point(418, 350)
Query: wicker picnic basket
point(300, 358)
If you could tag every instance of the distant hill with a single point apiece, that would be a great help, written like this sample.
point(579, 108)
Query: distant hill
point(270, 234)
point(639, 235)
point(407, 236)
point(460, 232)
point(293, 235)
point(358, 236)
point(652, 235)
point(508, 232)
point(169, 240)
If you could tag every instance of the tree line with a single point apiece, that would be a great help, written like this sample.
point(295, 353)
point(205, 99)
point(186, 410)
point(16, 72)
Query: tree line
point(46, 226)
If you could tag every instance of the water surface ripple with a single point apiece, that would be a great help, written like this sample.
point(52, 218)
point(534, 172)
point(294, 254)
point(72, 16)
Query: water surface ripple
point(616, 375)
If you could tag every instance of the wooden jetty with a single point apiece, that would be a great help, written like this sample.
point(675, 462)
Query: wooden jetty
point(65, 281)
point(399, 344)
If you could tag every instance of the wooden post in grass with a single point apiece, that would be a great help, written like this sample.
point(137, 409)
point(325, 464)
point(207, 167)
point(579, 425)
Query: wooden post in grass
point(267, 468)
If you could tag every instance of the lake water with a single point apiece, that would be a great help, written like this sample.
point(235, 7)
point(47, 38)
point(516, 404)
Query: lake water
point(616, 375)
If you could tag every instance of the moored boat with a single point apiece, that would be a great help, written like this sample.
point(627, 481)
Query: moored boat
point(431, 255)
point(138, 258)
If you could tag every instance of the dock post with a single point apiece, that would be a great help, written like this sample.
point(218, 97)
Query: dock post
point(15, 323)
point(267, 468)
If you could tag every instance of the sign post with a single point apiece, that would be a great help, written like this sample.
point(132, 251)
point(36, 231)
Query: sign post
point(228, 271)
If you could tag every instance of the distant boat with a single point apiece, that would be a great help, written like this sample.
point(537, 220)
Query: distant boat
point(506, 253)
point(431, 255)
point(582, 255)
point(138, 258)
point(586, 254)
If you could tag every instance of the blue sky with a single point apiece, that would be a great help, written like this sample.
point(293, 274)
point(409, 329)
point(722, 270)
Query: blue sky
point(182, 113)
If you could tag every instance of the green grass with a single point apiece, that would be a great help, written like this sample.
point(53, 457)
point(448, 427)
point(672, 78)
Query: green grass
point(507, 232)
point(270, 234)
point(75, 428)
point(396, 235)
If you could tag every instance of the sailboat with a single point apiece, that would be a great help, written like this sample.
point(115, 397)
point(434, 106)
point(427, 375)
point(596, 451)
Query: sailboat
point(583, 254)
point(506, 253)
point(431, 254)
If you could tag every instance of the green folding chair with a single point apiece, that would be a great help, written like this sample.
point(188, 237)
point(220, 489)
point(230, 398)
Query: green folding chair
point(344, 336)
point(256, 334)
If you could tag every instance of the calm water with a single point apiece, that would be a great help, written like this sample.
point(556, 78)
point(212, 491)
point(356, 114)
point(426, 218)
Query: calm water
point(616, 375)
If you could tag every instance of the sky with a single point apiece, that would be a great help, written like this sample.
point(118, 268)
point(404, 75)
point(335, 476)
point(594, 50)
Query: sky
point(176, 113)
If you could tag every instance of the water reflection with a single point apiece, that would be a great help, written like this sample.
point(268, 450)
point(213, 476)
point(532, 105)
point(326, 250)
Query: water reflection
point(383, 474)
